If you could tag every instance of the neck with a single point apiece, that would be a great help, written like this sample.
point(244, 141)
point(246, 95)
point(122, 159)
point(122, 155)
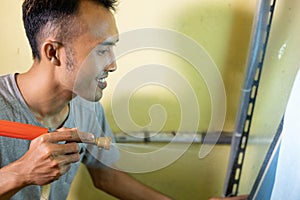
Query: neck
point(43, 95)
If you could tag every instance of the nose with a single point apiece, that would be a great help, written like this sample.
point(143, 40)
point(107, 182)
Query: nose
point(112, 66)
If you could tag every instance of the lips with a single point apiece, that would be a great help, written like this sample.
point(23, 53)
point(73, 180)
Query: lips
point(101, 81)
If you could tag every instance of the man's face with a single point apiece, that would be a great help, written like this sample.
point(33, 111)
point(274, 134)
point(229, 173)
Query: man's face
point(91, 56)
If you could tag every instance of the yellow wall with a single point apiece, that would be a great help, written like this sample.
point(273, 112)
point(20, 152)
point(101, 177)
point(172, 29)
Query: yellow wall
point(15, 54)
point(223, 28)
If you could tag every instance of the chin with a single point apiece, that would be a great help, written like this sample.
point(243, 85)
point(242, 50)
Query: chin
point(97, 98)
point(92, 98)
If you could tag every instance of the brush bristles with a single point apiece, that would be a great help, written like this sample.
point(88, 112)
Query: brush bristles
point(103, 142)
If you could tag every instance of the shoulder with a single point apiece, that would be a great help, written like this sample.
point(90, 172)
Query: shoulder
point(6, 92)
point(5, 82)
point(10, 104)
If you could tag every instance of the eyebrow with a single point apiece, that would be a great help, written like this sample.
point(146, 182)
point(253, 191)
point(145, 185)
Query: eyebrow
point(109, 42)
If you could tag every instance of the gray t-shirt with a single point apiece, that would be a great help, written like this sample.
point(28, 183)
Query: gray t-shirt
point(86, 116)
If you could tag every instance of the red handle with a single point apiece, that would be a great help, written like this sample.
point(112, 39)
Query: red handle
point(20, 130)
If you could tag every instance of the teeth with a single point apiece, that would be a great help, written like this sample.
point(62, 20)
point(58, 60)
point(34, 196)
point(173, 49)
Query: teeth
point(101, 80)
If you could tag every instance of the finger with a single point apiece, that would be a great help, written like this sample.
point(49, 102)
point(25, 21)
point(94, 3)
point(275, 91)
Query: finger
point(62, 149)
point(69, 135)
point(59, 136)
point(86, 137)
point(79, 136)
point(67, 159)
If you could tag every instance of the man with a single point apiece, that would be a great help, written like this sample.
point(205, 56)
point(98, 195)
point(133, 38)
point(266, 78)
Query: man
point(71, 42)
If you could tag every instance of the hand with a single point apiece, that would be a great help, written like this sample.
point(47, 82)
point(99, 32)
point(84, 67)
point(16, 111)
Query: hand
point(46, 160)
point(241, 197)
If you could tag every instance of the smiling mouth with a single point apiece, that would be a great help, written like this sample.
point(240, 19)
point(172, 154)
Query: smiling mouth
point(101, 82)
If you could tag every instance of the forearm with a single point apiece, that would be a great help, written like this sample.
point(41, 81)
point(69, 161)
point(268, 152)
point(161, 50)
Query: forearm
point(241, 197)
point(11, 180)
point(124, 187)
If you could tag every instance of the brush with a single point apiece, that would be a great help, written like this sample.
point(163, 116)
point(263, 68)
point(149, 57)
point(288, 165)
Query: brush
point(30, 132)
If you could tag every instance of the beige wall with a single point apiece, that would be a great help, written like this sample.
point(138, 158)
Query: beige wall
point(15, 55)
point(223, 28)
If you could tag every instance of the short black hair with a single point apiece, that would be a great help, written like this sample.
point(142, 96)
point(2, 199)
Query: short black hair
point(37, 14)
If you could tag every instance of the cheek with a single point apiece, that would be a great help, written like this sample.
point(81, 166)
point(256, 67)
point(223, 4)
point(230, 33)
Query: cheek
point(87, 73)
point(89, 68)
point(69, 78)
point(93, 64)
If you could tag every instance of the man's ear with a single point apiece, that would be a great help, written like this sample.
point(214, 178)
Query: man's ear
point(51, 51)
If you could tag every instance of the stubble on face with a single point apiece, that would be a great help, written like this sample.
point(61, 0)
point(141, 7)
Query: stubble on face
point(70, 59)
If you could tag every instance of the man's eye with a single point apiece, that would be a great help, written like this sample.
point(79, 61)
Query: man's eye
point(102, 52)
